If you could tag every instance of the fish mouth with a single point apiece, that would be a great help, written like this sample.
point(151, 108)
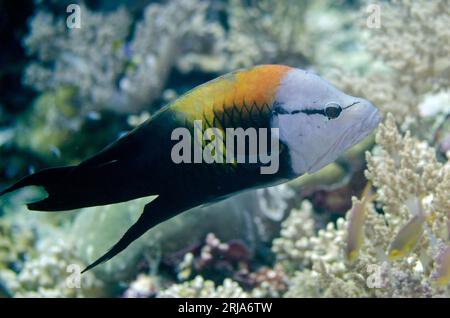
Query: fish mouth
point(365, 128)
point(374, 119)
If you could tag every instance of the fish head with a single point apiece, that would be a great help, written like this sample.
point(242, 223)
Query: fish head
point(317, 121)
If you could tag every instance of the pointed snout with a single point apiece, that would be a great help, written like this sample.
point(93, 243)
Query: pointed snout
point(374, 116)
point(364, 112)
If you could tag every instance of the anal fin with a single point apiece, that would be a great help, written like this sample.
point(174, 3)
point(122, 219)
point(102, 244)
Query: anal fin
point(154, 213)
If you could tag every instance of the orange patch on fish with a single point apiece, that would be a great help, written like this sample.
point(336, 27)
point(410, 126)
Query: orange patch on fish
point(257, 85)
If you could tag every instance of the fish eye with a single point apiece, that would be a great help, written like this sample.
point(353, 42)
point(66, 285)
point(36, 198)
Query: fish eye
point(333, 110)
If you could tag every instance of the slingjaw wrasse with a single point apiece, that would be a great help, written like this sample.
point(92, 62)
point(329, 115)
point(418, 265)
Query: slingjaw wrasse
point(311, 121)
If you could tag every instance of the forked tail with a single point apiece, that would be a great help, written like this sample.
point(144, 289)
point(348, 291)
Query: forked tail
point(76, 187)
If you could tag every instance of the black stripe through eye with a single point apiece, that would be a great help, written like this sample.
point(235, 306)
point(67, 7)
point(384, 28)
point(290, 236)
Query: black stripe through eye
point(331, 111)
point(281, 111)
point(313, 111)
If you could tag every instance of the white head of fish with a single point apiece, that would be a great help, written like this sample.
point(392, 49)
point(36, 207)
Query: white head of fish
point(317, 121)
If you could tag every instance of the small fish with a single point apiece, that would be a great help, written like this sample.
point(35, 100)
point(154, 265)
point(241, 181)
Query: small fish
point(313, 122)
point(407, 238)
point(442, 273)
point(355, 229)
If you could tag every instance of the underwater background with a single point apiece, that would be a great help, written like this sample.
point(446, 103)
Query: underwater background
point(66, 92)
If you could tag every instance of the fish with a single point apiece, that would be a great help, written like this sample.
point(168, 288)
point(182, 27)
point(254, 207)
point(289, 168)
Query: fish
point(355, 229)
point(407, 237)
point(309, 120)
point(442, 273)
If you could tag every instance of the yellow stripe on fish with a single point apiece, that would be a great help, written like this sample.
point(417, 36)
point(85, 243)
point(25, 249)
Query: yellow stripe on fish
point(442, 273)
point(407, 238)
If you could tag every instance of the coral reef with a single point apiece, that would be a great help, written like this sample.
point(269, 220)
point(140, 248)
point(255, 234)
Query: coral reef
point(14, 244)
point(293, 248)
point(289, 32)
point(190, 41)
point(224, 258)
point(37, 265)
point(144, 286)
point(89, 242)
point(395, 259)
point(201, 288)
point(89, 58)
point(96, 82)
point(108, 70)
point(231, 260)
point(271, 32)
point(411, 64)
point(48, 274)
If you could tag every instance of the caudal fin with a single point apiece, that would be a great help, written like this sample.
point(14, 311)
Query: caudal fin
point(47, 178)
point(77, 187)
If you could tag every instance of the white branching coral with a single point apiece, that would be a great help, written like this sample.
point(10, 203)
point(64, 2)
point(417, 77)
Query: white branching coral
point(405, 251)
point(269, 31)
point(293, 246)
point(414, 57)
point(422, 46)
point(177, 33)
point(408, 177)
point(114, 67)
point(201, 288)
point(89, 58)
point(53, 272)
point(273, 201)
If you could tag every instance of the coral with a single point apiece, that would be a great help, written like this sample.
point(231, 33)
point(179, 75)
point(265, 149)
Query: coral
point(269, 31)
point(189, 40)
point(95, 230)
point(15, 243)
point(406, 170)
point(90, 58)
point(201, 288)
point(273, 201)
point(48, 124)
point(160, 243)
point(144, 286)
point(409, 182)
point(291, 32)
point(231, 259)
point(411, 62)
point(216, 256)
point(268, 282)
point(394, 241)
point(293, 245)
point(418, 55)
point(37, 257)
point(48, 274)
point(108, 70)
